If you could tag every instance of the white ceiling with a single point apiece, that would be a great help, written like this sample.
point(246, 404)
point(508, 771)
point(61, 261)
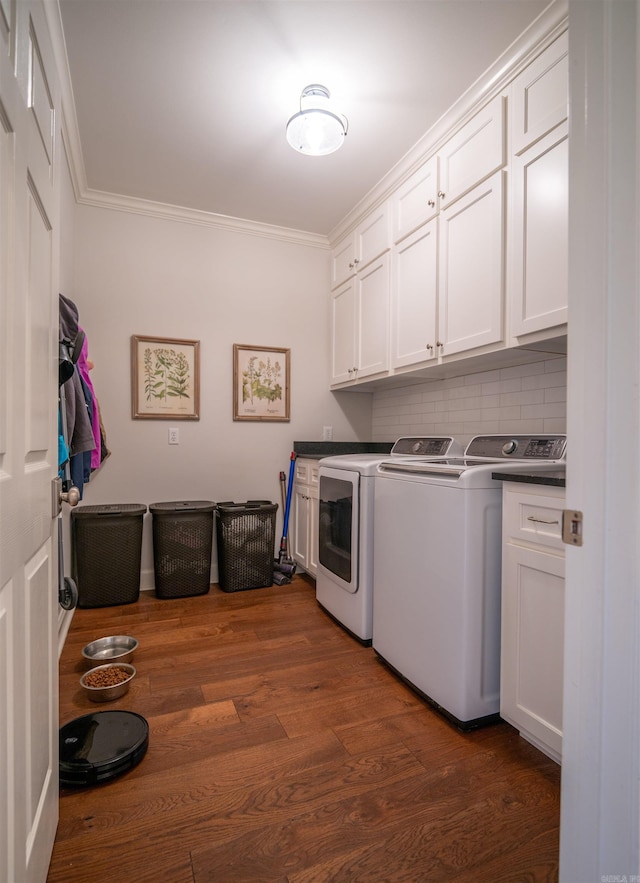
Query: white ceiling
point(184, 102)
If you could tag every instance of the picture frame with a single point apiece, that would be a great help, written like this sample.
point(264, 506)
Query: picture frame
point(165, 378)
point(261, 378)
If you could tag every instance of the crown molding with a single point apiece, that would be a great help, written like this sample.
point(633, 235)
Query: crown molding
point(168, 212)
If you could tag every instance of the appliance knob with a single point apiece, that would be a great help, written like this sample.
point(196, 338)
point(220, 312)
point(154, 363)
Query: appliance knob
point(510, 447)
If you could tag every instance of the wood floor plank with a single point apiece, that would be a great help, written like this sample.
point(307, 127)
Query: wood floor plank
point(281, 750)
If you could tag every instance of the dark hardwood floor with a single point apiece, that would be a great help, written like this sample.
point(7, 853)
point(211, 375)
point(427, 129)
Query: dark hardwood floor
point(282, 750)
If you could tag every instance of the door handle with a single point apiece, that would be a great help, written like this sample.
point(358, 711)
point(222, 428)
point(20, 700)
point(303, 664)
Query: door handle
point(58, 496)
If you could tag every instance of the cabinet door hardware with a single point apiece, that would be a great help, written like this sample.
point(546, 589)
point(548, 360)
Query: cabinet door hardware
point(431, 202)
point(441, 194)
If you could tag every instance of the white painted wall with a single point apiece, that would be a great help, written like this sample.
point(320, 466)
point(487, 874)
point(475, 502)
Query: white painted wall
point(148, 276)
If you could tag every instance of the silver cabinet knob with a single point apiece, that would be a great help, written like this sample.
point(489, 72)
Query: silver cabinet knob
point(431, 202)
point(441, 194)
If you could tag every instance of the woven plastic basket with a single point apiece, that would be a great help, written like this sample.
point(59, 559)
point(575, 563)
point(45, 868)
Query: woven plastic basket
point(182, 543)
point(246, 538)
point(106, 549)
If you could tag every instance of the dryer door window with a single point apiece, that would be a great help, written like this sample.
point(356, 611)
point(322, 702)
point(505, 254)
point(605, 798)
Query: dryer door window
point(338, 526)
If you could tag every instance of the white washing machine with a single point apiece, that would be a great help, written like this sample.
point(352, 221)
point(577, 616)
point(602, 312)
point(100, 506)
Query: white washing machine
point(437, 570)
point(344, 581)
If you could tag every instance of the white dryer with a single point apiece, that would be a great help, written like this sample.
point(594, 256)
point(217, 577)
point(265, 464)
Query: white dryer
point(344, 581)
point(437, 570)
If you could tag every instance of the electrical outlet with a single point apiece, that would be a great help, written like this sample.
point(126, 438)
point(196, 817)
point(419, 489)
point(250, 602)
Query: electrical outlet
point(174, 436)
point(327, 433)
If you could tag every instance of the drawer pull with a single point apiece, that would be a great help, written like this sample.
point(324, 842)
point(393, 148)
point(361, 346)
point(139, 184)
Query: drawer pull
point(541, 520)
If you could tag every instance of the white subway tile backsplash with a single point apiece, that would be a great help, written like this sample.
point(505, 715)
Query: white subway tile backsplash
point(525, 399)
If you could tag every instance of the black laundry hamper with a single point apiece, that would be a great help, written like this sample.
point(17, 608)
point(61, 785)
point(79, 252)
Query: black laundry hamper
point(182, 547)
point(106, 552)
point(246, 540)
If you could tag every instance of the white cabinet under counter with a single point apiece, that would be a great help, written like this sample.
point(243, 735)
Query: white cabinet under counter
point(532, 636)
point(304, 501)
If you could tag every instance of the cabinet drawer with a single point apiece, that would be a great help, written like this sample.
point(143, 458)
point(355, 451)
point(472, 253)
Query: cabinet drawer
point(533, 519)
point(306, 471)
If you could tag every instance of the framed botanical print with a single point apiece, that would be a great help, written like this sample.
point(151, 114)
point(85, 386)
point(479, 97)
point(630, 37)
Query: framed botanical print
point(261, 383)
point(165, 378)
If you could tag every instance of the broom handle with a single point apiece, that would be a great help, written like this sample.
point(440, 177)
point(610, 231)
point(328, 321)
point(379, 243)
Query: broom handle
point(285, 529)
point(283, 495)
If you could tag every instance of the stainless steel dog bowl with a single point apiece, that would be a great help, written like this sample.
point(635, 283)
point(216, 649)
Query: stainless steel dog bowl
point(107, 693)
point(116, 648)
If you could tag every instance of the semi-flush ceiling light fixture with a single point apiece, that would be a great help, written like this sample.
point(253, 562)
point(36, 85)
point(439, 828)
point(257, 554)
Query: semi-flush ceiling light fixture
point(316, 129)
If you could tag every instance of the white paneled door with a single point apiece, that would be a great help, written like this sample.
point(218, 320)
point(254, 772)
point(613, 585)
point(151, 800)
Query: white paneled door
point(29, 197)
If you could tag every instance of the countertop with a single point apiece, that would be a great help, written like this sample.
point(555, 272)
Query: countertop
point(316, 450)
point(549, 477)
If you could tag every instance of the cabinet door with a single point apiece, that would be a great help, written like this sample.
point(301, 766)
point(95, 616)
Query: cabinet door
point(539, 250)
point(532, 645)
point(416, 201)
point(312, 531)
point(473, 153)
point(471, 275)
point(539, 96)
point(343, 325)
point(373, 318)
point(343, 263)
point(413, 297)
point(298, 537)
point(373, 236)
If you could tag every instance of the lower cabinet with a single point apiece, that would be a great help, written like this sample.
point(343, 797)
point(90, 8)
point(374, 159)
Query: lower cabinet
point(303, 536)
point(533, 614)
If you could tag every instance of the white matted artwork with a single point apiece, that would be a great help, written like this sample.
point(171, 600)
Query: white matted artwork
point(165, 378)
point(261, 382)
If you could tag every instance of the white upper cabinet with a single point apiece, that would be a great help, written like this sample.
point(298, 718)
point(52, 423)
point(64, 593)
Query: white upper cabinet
point(343, 257)
point(538, 252)
point(471, 269)
point(539, 99)
point(372, 236)
point(373, 318)
point(370, 239)
point(467, 254)
point(343, 330)
point(416, 201)
point(360, 324)
point(474, 153)
point(414, 297)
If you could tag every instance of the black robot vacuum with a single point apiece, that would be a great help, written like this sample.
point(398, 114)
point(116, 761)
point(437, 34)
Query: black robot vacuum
point(96, 748)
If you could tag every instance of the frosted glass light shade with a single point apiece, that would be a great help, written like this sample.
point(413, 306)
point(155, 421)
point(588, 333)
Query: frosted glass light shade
point(316, 130)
